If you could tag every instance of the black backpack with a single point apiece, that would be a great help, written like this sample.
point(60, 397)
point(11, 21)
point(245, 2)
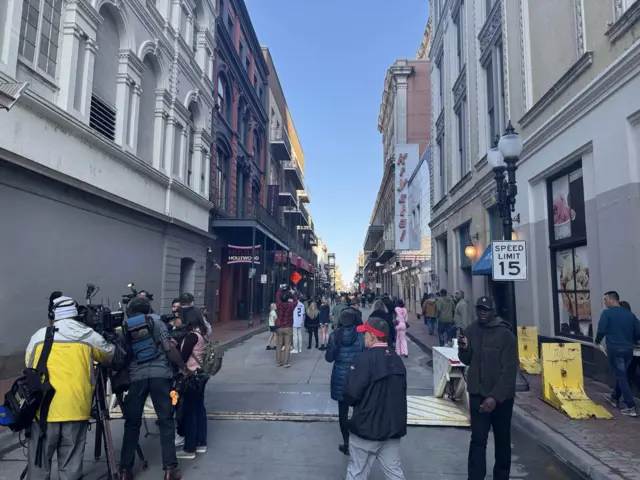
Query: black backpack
point(32, 392)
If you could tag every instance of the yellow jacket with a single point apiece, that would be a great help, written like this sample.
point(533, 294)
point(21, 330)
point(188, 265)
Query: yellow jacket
point(71, 367)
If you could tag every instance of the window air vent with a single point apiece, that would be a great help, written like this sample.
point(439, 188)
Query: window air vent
point(102, 118)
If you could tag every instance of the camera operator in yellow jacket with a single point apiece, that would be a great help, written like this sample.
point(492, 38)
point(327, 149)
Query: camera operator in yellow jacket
point(71, 373)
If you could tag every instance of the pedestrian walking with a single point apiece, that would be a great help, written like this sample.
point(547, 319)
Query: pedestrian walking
point(377, 390)
point(286, 303)
point(445, 308)
point(379, 310)
point(402, 322)
point(272, 326)
point(488, 347)
point(620, 328)
point(312, 323)
point(298, 325)
point(462, 315)
point(336, 311)
point(324, 323)
point(429, 313)
point(345, 344)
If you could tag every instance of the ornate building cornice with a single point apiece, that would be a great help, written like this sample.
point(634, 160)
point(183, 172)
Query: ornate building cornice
point(490, 31)
point(460, 88)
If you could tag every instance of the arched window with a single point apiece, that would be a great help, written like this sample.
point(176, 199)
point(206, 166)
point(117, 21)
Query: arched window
point(149, 84)
point(192, 140)
point(222, 178)
point(222, 95)
point(241, 121)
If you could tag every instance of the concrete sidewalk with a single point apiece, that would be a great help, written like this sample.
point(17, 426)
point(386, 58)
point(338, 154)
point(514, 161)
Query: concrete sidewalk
point(599, 449)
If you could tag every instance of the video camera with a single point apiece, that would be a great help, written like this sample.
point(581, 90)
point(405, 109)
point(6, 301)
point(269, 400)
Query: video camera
point(97, 316)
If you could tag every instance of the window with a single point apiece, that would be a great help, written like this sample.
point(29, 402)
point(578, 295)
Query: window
point(440, 66)
point(184, 16)
point(460, 37)
point(230, 25)
point(177, 150)
point(255, 80)
point(461, 117)
point(43, 15)
point(491, 112)
point(247, 64)
point(569, 253)
point(241, 53)
point(464, 239)
point(192, 148)
point(441, 166)
point(222, 175)
point(203, 172)
point(196, 29)
point(496, 105)
point(495, 224)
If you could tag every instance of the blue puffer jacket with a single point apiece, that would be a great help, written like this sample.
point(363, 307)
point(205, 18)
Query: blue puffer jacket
point(351, 344)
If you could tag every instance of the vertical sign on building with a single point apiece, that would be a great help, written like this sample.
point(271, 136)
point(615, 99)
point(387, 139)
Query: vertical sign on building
point(273, 192)
point(406, 160)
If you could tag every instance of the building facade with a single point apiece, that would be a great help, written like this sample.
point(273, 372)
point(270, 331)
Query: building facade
point(577, 109)
point(404, 123)
point(104, 158)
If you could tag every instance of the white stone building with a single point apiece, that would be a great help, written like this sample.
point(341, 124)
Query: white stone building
point(104, 160)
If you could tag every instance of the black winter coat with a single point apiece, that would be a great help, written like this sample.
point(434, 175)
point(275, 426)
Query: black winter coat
point(342, 356)
point(388, 317)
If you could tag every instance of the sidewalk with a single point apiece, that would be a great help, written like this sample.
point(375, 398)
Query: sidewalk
point(599, 449)
point(228, 334)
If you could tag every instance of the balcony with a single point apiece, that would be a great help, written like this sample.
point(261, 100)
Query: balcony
point(304, 196)
point(293, 173)
point(280, 144)
point(299, 215)
point(374, 233)
point(286, 199)
point(226, 214)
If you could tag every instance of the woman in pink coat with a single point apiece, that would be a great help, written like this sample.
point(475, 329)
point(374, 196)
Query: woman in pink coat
point(401, 329)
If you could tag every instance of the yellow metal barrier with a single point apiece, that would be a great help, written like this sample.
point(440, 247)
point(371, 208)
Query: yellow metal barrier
point(528, 350)
point(562, 382)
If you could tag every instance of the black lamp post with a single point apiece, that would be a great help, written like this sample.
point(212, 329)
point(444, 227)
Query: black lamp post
point(503, 158)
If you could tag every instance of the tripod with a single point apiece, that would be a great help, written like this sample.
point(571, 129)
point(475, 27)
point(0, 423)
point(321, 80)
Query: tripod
point(103, 427)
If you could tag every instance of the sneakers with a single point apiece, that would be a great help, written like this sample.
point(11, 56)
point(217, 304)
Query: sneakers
point(179, 440)
point(294, 351)
point(629, 412)
point(201, 449)
point(611, 401)
point(186, 455)
point(286, 365)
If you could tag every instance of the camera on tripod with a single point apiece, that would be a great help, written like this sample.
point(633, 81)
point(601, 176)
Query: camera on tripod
point(97, 316)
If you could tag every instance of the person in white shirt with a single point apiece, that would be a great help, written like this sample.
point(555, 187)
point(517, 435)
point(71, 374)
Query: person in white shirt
point(298, 324)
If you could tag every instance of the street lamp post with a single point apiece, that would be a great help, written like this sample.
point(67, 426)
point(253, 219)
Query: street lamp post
point(503, 158)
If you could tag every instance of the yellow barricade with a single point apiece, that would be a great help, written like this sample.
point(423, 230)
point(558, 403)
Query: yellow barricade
point(563, 382)
point(528, 350)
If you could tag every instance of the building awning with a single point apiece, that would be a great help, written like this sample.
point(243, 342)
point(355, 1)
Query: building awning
point(485, 263)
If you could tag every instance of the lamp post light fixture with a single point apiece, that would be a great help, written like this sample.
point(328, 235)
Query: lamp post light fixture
point(470, 250)
point(503, 158)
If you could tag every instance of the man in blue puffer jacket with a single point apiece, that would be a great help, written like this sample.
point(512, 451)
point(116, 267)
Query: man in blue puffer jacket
point(345, 344)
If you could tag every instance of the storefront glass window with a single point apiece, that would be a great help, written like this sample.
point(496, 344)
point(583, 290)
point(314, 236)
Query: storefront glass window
point(569, 255)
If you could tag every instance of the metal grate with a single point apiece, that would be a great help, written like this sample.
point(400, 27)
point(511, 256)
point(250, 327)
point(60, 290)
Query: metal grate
point(102, 118)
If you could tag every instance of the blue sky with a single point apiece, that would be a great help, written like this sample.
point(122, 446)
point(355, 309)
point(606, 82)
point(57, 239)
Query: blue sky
point(332, 57)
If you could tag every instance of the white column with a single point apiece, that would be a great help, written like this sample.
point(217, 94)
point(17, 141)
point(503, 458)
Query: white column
point(133, 117)
point(123, 94)
point(158, 138)
point(169, 139)
point(72, 34)
point(188, 35)
point(198, 153)
point(176, 14)
point(91, 46)
point(183, 156)
point(207, 174)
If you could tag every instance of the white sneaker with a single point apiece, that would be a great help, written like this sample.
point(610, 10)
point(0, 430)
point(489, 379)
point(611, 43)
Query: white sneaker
point(201, 449)
point(179, 440)
point(294, 351)
point(186, 455)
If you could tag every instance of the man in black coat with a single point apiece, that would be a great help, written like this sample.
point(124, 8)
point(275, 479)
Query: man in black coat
point(377, 389)
point(490, 350)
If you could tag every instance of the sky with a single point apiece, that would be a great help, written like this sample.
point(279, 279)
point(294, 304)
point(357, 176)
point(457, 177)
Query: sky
point(332, 57)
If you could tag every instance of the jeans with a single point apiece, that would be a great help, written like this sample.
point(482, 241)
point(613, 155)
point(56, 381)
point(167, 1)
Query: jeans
point(297, 338)
point(445, 332)
point(620, 362)
point(283, 339)
point(430, 322)
point(159, 389)
point(313, 332)
point(343, 419)
point(481, 423)
point(195, 420)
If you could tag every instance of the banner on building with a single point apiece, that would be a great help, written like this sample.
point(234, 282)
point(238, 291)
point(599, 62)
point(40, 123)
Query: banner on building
point(273, 195)
point(239, 254)
point(406, 160)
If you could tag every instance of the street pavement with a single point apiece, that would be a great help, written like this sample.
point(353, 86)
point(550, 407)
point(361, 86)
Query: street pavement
point(249, 385)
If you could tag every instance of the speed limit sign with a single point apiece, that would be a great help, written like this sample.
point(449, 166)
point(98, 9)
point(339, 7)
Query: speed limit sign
point(509, 260)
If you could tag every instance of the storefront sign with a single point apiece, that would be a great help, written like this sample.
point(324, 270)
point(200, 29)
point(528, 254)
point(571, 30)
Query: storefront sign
point(239, 254)
point(406, 160)
point(296, 277)
point(509, 260)
point(273, 193)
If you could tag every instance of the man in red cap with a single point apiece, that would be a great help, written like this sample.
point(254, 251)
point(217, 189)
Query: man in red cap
point(377, 390)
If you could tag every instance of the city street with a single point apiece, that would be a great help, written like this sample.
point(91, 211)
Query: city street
point(250, 386)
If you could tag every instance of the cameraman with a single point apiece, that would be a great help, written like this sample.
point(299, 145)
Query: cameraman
point(70, 366)
point(153, 377)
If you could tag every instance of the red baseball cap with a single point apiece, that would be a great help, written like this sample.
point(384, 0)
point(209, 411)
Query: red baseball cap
point(375, 325)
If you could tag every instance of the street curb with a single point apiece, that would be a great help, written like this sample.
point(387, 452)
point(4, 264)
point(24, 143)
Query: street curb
point(560, 446)
point(9, 441)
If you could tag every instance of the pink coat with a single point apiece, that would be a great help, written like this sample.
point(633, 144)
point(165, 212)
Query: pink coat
point(401, 317)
